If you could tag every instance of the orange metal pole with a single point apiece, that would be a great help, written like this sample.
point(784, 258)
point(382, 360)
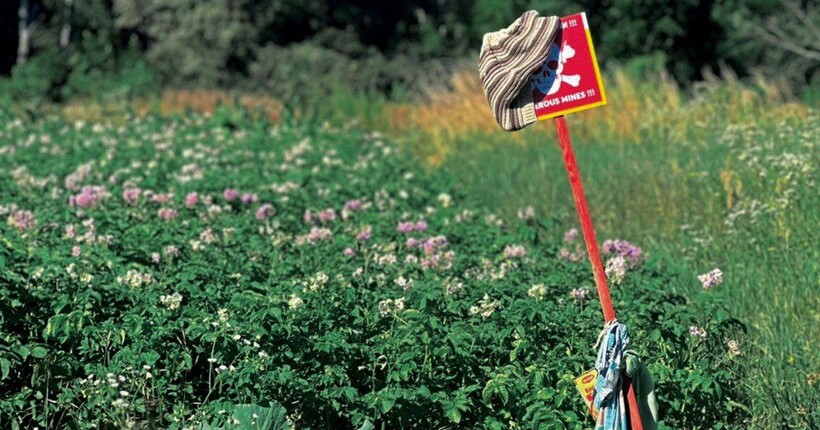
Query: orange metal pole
point(592, 248)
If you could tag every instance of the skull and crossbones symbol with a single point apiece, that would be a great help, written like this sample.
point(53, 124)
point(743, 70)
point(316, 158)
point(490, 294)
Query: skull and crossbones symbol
point(549, 77)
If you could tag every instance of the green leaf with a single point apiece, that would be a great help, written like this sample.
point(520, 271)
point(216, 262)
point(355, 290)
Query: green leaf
point(386, 403)
point(454, 415)
point(38, 352)
point(255, 417)
point(367, 425)
point(5, 366)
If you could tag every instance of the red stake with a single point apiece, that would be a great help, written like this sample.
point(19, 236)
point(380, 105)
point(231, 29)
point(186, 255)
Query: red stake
point(592, 249)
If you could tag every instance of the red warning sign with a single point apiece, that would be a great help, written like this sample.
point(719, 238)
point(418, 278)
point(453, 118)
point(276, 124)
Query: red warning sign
point(569, 80)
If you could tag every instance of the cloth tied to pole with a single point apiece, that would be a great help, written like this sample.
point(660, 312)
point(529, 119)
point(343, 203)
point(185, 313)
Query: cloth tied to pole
point(610, 399)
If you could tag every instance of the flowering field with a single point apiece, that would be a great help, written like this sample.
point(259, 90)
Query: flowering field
point(723, 175)
point(213, 272)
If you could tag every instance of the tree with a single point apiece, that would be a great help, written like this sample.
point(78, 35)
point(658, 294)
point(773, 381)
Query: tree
point(25, 28)
point(790, 36)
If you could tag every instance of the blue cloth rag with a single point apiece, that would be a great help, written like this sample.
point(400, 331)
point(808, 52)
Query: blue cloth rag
point(610, 400)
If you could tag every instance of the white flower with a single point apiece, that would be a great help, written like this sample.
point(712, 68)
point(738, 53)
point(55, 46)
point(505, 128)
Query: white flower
point(486, 306)
point(172, 301)
point(538, 292)
point(316, 282)
point(734, 348)
point(445, 199)
point(388, 306)
point(406, 284)
point(135, 279)
point(294, 302)
point(616, 270)
point(526, 213)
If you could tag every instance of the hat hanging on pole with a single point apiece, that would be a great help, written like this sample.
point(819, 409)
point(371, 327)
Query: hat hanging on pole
point(507, 60)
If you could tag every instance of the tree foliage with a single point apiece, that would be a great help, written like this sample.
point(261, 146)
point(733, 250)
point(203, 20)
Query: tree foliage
point(370, 45)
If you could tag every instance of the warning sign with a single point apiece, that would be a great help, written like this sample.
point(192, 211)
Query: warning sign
point(569, 80)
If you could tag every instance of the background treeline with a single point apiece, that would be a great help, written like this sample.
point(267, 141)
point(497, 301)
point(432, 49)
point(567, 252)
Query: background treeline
point(55, 49)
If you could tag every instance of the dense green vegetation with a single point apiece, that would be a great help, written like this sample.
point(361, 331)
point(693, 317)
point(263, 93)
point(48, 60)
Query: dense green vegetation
point(326, 276)
point(714, 184)
point(188, 272)
point(296, 50)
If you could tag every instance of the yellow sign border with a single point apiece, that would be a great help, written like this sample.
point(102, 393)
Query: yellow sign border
point(597, 76)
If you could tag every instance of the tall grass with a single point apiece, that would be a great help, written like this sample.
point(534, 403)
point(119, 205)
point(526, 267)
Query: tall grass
point(722, 175)
point(636, 106)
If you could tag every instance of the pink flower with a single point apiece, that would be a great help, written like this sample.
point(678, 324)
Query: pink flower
point(431, 244)
point(171, 251)
point(353, 205)
point(162, 197)
point(571, 235)
point(421, 226)
point(412, 242)
point(439, 261)
point(265, 211)
point(89, 196)
point(428, 246)
point(405, 227)
point(249, 198)
point(155, 258)
point(364, 234)
point(22, 220)
point(308, 217)
point(576, 256)
point(207, 236)
point(230, 194)
point(316, 235)
point(628, 251)
point(327, 215)
point(131, 194)
point(191, 200)
point(167, 213)
point(70, 231)
point(514, 251)
point(76, 251)
point(349, 252)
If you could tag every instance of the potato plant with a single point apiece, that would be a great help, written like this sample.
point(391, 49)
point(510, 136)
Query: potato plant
point(220, 272)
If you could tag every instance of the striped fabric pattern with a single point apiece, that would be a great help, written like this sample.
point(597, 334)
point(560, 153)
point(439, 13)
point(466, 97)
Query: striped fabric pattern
point(507, 59)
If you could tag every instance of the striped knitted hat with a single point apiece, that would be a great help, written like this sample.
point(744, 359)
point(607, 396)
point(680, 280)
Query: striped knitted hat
point(507, 59)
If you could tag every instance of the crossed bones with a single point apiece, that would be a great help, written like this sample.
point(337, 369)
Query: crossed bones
point(549, 76)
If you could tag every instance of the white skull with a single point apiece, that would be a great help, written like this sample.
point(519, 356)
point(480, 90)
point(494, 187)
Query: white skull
point(549, 76)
